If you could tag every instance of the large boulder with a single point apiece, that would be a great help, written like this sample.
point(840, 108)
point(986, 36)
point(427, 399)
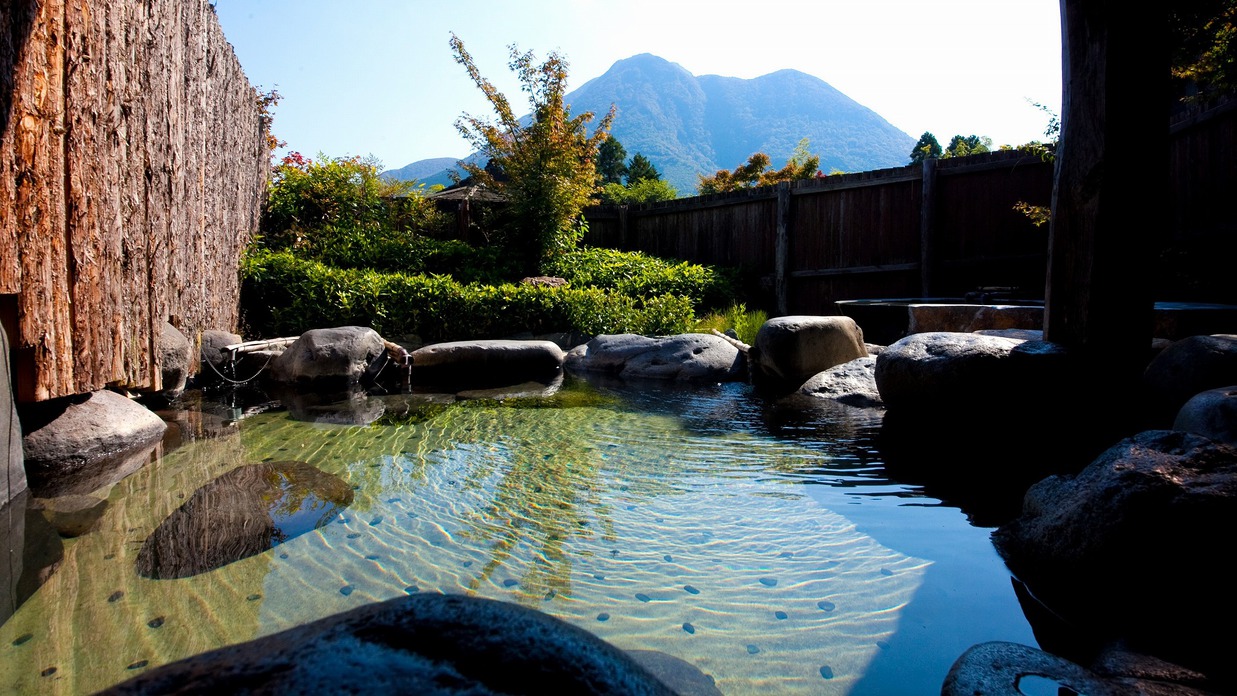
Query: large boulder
point(687, 357)
point(240, 514)
point(428, 644)
point(1212, 414)
point(336, 357)
point(1130, 543)
point(852, 383)
point(487, 362)
point(76, 438)
point(928, 371)
point(789, 350)
point(1187, 367)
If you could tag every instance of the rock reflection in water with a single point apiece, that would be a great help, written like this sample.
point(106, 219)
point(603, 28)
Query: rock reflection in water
point(242, 513)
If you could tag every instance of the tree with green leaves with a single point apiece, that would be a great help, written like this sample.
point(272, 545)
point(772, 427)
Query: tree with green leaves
point(640, 169)
point(639, 191)
point(549, 161)
point(928, 147)
point(961, 146)
point(611, 165)
point(755, 172)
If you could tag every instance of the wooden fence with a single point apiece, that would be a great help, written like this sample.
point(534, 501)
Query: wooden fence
point(132, 166)
point(938, 229)
point(941, 229)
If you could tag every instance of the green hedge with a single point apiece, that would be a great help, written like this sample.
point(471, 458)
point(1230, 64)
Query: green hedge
point(283, 295)
point(640, 275)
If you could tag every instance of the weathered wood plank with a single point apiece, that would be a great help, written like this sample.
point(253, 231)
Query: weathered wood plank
point(132, 164)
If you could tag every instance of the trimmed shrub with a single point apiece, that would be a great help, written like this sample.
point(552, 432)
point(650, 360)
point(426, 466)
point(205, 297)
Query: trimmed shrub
point(283, 295)
point(640, 275)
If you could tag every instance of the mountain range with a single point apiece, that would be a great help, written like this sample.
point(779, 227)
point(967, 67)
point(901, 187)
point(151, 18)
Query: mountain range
point(688, 125)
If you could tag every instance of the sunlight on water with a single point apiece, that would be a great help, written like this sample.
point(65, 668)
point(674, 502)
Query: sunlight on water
point(651, 534)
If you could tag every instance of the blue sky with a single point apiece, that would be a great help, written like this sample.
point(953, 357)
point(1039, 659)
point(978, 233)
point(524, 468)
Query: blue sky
point(377, 77)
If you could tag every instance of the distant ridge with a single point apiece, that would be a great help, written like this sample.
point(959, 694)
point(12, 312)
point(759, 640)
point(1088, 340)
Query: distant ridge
point(688, 125)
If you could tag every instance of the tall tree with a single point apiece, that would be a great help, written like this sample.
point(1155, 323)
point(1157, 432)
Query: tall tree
point(928, 147)
point(611, 165)
point(960, 146)
point(548, 162)
point(640, 168)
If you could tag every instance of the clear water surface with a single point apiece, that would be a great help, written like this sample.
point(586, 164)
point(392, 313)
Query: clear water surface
point(767, 548)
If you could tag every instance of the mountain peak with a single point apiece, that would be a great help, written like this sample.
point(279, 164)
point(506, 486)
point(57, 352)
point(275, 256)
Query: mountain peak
point(688, 125)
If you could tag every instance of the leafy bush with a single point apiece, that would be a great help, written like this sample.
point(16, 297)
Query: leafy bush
point(315, 205)
point(283, 295)
point(641, 275)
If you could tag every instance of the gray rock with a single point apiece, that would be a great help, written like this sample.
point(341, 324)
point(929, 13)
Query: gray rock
point(688, 357)
point(484, 363)
point(852, 383)
point(338, 356)
point(1187, 367)
point(933, 370)
point(1130, 543)
point(1212, 414)
point(994, 669)
point(98, 438)
point(789, 350)
point(244, 512)
point(174, 351)
point(427, 644)
point(214, 359)
point(10, 431)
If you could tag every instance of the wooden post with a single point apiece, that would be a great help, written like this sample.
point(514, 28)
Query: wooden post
point(624, 236)
point(781, 249)
point(1111, 161)
point(927, 230)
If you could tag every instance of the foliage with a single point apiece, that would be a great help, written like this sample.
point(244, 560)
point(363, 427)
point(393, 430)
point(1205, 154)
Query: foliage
point(283, 295)
point(960, 146)
point(641, 169)
point(744, 322)
point(1040, 215)
point(1203, 41)
point(640, 275)
point(267, 101)
point(547, 161)
point(755, 172)
point(926, 148)
point(314, 206)
point(611, 167)
point(642, 191)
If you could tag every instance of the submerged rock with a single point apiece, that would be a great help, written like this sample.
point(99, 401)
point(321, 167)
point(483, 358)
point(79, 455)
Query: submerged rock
point(240, 514)
point(419, 644)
